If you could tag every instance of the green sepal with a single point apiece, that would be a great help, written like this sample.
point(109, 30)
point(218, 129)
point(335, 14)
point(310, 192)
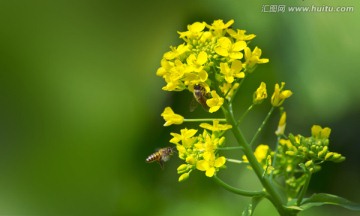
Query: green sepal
point(328, 199)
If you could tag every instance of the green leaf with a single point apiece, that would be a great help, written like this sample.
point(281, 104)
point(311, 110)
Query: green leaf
point(249, 210)
point(328, 199)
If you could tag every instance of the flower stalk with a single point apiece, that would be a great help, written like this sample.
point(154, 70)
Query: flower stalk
point(237, 190)
point(261, 126)
point(273, 194)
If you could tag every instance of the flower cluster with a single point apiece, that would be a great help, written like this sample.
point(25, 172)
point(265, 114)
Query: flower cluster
point(200, 151)
point(297, 156)
point(212, 63)
point(213, 56)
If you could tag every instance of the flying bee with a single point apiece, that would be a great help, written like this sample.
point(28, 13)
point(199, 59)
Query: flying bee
point(200, 96)
point(161, 156)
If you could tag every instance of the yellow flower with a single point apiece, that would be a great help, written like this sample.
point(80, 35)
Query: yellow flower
point(194, 30)
point(240, 35)
point(227, 48)
point(260, 153)
point(319, 132)
point(215, 102)
point(210, 164)
point(282, 124)
point(191, 79)
point(216, 126)
point(186, 137)
point(174, 76)
point(175, 52)
point(253, 58)
point(218, 26)
point(229, 89)
point(171, 118)
point(287, 143)
point(165, 67)
point(279, 95)
point(231, 73)
point(196, 63)
point(260, 94)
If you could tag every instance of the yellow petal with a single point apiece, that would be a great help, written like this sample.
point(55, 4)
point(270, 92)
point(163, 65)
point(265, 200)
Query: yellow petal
point(325, 133)
point(221, 51)
point(202, 58)
point(240, 45)
point(210, 172)
point(202, 165)
point(196, 27)
point(315, 130)
point(219, 162)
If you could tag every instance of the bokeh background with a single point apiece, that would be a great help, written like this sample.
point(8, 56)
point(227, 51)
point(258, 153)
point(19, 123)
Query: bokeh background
point(80, 103)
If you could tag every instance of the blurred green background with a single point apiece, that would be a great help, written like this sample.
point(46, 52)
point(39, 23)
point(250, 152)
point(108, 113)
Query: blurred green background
point(80, 103)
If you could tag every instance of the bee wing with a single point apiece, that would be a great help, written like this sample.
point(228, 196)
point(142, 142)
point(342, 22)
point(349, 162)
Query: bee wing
point(165, 158)
point(161, 163)
point(193, 105)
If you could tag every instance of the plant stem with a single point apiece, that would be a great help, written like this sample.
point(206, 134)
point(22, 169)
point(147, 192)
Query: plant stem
point(274, 195)
point(245, 113)
point(235, 91)
point(236, 190)
point(275, 156)
point(303, 190)
point(202, 120)
point(235, 161)
point(262, 126)
point(230, 148)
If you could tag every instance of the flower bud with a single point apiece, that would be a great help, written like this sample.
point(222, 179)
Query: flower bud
point(311, 153)
point(182, 168)
point(340, 159)
point(190, 159)
point(329, 155)
point(184, 176)
point(323, 152)
point(282, 124)
point(260, 94)
point(309, 163)
point(290, 153)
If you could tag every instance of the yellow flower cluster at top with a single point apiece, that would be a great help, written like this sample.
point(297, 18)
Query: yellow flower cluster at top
point(214, 56)
point(200, 151)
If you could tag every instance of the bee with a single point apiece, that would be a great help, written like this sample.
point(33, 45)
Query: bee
point(200, 96)
point(161, 156)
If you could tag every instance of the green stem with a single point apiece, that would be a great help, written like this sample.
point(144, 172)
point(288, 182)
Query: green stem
point(245, 113)
point(235, 161)
point(275, 155)
point(303, 190)
point(262, 126)
point(202, 120)
point(235, 91)
point(237, 190)
point(274, 195)
point(230, 148)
